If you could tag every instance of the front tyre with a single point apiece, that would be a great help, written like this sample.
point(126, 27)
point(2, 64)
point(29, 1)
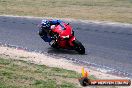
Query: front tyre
point(79, 47)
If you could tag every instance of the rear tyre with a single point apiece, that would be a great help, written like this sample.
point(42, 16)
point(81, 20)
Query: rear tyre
point(79, 47)
point(55, 45)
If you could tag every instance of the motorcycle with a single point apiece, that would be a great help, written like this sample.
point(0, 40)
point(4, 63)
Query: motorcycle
point(64, 38)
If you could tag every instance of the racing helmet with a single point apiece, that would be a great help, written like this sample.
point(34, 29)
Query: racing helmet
point(45, 24)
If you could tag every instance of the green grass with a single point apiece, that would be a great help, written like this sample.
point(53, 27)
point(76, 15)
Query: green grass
point(22, 74)
point(103, 10)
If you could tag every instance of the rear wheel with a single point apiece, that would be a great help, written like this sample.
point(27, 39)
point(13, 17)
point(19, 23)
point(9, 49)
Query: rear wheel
point(55, 45)
point(79, 47)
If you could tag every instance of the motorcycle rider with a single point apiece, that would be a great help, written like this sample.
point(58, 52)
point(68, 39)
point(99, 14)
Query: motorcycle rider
point(46, 27)
point(47, 33)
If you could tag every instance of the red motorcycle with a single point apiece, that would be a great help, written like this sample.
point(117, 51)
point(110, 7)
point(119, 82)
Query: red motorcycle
point(64, 38)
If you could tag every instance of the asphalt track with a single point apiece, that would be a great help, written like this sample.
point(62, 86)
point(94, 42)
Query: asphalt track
point(108, 46)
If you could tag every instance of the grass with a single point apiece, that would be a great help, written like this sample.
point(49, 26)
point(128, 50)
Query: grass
point(22, 74)
point(103, 10)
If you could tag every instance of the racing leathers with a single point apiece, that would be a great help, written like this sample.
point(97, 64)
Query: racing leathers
point(45, 29)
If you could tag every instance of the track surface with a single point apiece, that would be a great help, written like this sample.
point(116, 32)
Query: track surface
point(106, 45)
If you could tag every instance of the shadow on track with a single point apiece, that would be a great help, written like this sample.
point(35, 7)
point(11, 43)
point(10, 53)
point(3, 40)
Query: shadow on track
point(62, 51)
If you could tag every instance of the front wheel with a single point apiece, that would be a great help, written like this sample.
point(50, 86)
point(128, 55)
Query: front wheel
point(79, 47)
